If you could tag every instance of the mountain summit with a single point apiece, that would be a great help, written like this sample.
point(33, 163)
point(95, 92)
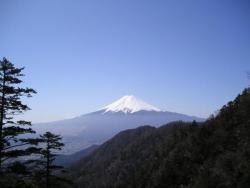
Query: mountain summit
point(96, 127)
point(129, 104)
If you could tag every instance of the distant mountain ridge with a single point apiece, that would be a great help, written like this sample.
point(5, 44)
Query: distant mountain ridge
point(67, 160)
point(96, 127)
point(214, 153)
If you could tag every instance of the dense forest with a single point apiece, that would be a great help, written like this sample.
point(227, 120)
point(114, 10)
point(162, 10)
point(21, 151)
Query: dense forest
point(215, 153)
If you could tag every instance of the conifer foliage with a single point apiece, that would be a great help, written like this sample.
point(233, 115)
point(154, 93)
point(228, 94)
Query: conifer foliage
point(52, 145)
point(210, 154)
point(12, 145)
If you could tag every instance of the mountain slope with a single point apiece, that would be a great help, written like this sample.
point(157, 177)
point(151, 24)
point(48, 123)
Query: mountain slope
point(97, 127)
point(67, 160)
point(129, 104)
point(211, 154)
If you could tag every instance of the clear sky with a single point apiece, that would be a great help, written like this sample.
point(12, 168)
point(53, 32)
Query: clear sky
point(187, 56)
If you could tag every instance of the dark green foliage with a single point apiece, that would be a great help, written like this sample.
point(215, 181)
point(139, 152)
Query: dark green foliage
point(12, 145)
point(45, 174)
point(215, 153)
point(16, 171)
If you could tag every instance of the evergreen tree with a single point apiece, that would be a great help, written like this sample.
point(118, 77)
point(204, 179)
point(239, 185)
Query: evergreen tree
point(52, 145)
point(12, 145)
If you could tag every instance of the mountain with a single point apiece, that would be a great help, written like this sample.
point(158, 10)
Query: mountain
point(96, 127)
point(214, 153)
point(67, 160)
point(129, 104)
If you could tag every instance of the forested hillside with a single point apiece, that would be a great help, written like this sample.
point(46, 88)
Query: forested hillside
point(215, 153)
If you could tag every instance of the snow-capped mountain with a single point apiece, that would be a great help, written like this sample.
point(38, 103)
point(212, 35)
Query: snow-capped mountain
point(96, 127)
point(129, 104)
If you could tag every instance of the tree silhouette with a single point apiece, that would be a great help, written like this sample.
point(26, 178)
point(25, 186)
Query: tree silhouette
point(52, 144)
point(11, 144)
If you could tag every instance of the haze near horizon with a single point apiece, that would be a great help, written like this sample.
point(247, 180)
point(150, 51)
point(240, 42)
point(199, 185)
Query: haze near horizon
point(189, 57)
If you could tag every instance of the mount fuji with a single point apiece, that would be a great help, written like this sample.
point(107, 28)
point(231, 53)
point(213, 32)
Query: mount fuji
point(95, 128)
point(129, 104)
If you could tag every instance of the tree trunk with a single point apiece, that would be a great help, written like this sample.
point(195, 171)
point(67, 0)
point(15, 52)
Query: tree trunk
point(1, 120)
point(47, 167)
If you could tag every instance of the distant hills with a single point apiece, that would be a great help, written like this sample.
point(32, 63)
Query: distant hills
point(214, 153)
point(67, 160)
point(94, 128)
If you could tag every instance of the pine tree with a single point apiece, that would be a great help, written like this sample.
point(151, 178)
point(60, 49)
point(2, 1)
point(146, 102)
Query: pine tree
point(52, 145)
point(12, 145)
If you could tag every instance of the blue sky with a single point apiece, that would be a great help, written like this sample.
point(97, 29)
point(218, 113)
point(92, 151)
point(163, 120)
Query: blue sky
point(184, 56)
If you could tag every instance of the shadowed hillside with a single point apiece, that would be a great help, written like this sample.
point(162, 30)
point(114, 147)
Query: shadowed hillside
point(215, 153)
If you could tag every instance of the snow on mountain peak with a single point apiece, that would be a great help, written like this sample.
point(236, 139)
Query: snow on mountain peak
point(129, 104)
